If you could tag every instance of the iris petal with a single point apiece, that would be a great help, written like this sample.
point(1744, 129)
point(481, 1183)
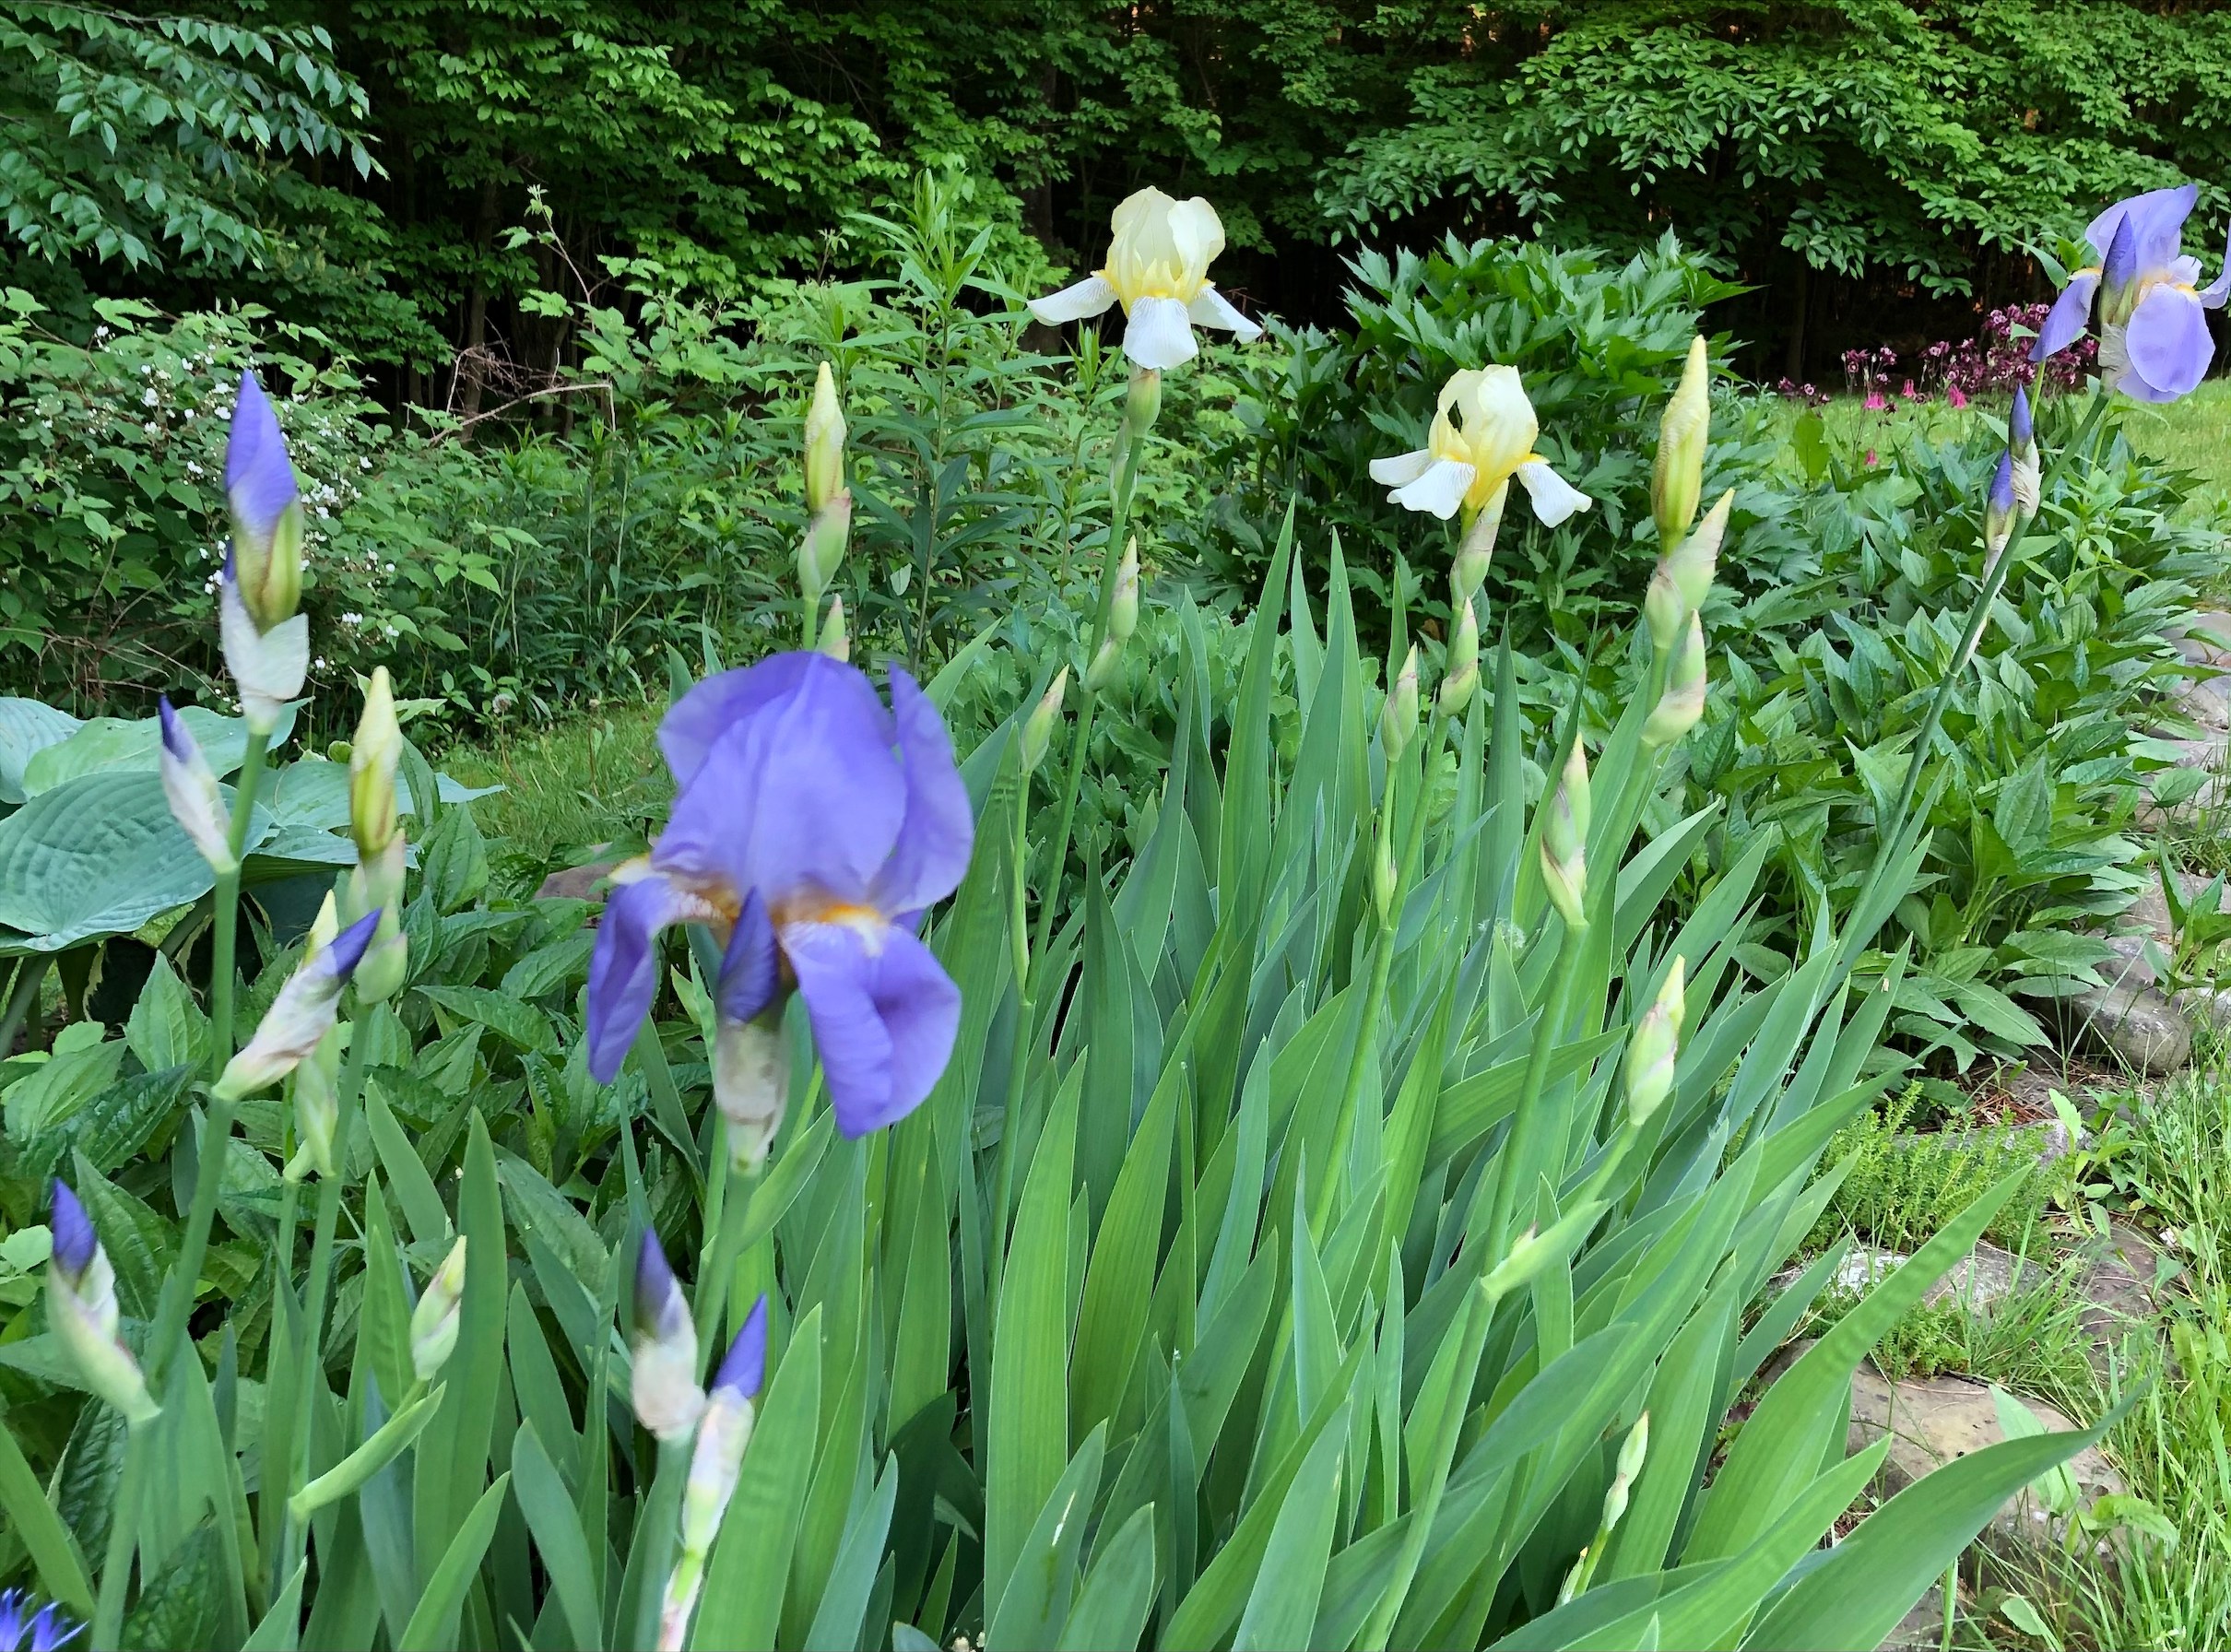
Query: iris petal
point(2157, 220)
point(1439, 489)
point(717, 705)
point(2064, 324)
point(259, 482)
point(2168, 343)
point(1554, 498)
point(1401, 469)
point(624, 970)
point(1209, 307)
point(938, 827)
point(1089, 296)
point(751, 969)
point(884, 1013)
point(804, 798)
point(1160, 334)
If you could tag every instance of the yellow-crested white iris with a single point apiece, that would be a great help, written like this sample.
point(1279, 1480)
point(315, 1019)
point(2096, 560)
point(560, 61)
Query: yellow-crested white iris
point(1158, 270)
point(1482, 435)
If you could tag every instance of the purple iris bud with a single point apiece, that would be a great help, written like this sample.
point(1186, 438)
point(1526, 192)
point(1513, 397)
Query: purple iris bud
point(341, 957)
point(2153, 343)
point(803, 798)
point(48, 1630)
point(662, 1382)
point(74, 1238)
point(2020, 432)
point(2002, 484)
point(744, 1367)
point(657, 1296)
point(259, 479)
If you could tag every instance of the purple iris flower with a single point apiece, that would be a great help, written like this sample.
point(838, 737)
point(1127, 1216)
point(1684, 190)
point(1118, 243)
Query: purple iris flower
point(2153, 343)
point(47, 1630)
point(814, 826)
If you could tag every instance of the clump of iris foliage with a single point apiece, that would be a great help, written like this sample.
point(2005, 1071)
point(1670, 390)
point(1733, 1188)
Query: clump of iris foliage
point(1342, 1223)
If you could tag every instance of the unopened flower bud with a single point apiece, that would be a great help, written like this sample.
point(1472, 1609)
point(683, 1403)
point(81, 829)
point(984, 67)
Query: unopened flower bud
point(300, 1015)
point(267, 665)
point(1398, 713)
point(1663, 609)
point(2119, 293)
point(433, 1323)
point(1691, 563)
point(1636, 1449)
point(1038, 727)
point(317, 1108)
point(824, 444)
point(1677, 478)
point(821, 551)
point(667, 1400)
point(1123, 602)
point(190, 787)
point(1652, 1050)
point(1564, 833)
point(2022, 445)
point(373, 757)
point(265, 505)
point(750, 1086)
point(835, 642)
point(1385, 876)
point(715, 1464)
point(81, 1309)
point(1469, 572)
point(1463, 674)
point(1142, 402)
point(1682, 704)
point(1102, 671)
point(1999, 509)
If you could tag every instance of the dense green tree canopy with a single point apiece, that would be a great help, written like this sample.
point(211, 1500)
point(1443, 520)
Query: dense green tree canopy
point(1836, 154)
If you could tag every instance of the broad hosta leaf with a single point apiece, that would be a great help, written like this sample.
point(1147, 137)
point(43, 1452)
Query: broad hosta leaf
point(116, 743)
point(27, 729)
point(100, 856)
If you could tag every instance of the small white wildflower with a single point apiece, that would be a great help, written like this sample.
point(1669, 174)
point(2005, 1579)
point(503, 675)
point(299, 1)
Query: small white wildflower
point(148, 397)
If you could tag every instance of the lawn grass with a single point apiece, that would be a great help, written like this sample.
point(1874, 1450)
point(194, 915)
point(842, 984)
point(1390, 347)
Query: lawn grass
point(572, 793)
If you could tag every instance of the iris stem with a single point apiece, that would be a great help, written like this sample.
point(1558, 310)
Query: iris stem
point(1129, 445)
point(124, 1537)
point(216, 1131)
point(224, 912)
point(1518, 1149)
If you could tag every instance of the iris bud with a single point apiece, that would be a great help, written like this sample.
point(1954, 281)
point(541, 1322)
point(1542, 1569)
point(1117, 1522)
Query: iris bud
point(317, 1107)
point(81, 1307)
point(1663, 609)
point(1678, 478)
point(1682, 703)
point(191, 789)
point(824, 444)
point(1463, 676)
point(1999, 509)
point(1102, 671)
point(265, 505)
point(1652, 1048)
point(2022, 445)
point(835, 642)
point(1630, 1456)
point(299, 1016)
point(1142, 402)
point(750, 1086)
point(715, 1464)
point(821, 551)
point(667, 1400)
point(1038, 727)
point(373, 756)
point(1123, 602)
point(1398, 714)
point(2119, 291)
point(1691, 563)
point(433, 1323)
point(1469, 573)
point(1564, 831)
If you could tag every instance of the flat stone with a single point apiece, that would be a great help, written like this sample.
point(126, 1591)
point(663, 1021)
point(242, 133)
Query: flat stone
point(2137, 1025)
point(2207, 755)
point(1934, 1422)
point(1975, 1281)
point(2205, 701)
point(576, 883)
point(2149, 915)
point(2118, 1291)
point(2129, 967)
point(2211, 1005)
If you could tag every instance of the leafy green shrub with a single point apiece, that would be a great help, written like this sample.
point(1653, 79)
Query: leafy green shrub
point(1904, 1182)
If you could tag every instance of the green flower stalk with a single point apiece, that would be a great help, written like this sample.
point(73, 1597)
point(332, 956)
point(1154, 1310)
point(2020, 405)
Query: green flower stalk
point(1677, 479)
point(1123, 620)
point(1565, 830)
point(1682, 704)
point(1653, 1048)
point(433, 1323)
point(1631, 1457)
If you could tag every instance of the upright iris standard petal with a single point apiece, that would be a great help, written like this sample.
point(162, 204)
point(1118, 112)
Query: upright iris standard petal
point(2155, 222)
point(937, 828)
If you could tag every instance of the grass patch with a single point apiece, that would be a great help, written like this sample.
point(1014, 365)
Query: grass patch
point(571, 793)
